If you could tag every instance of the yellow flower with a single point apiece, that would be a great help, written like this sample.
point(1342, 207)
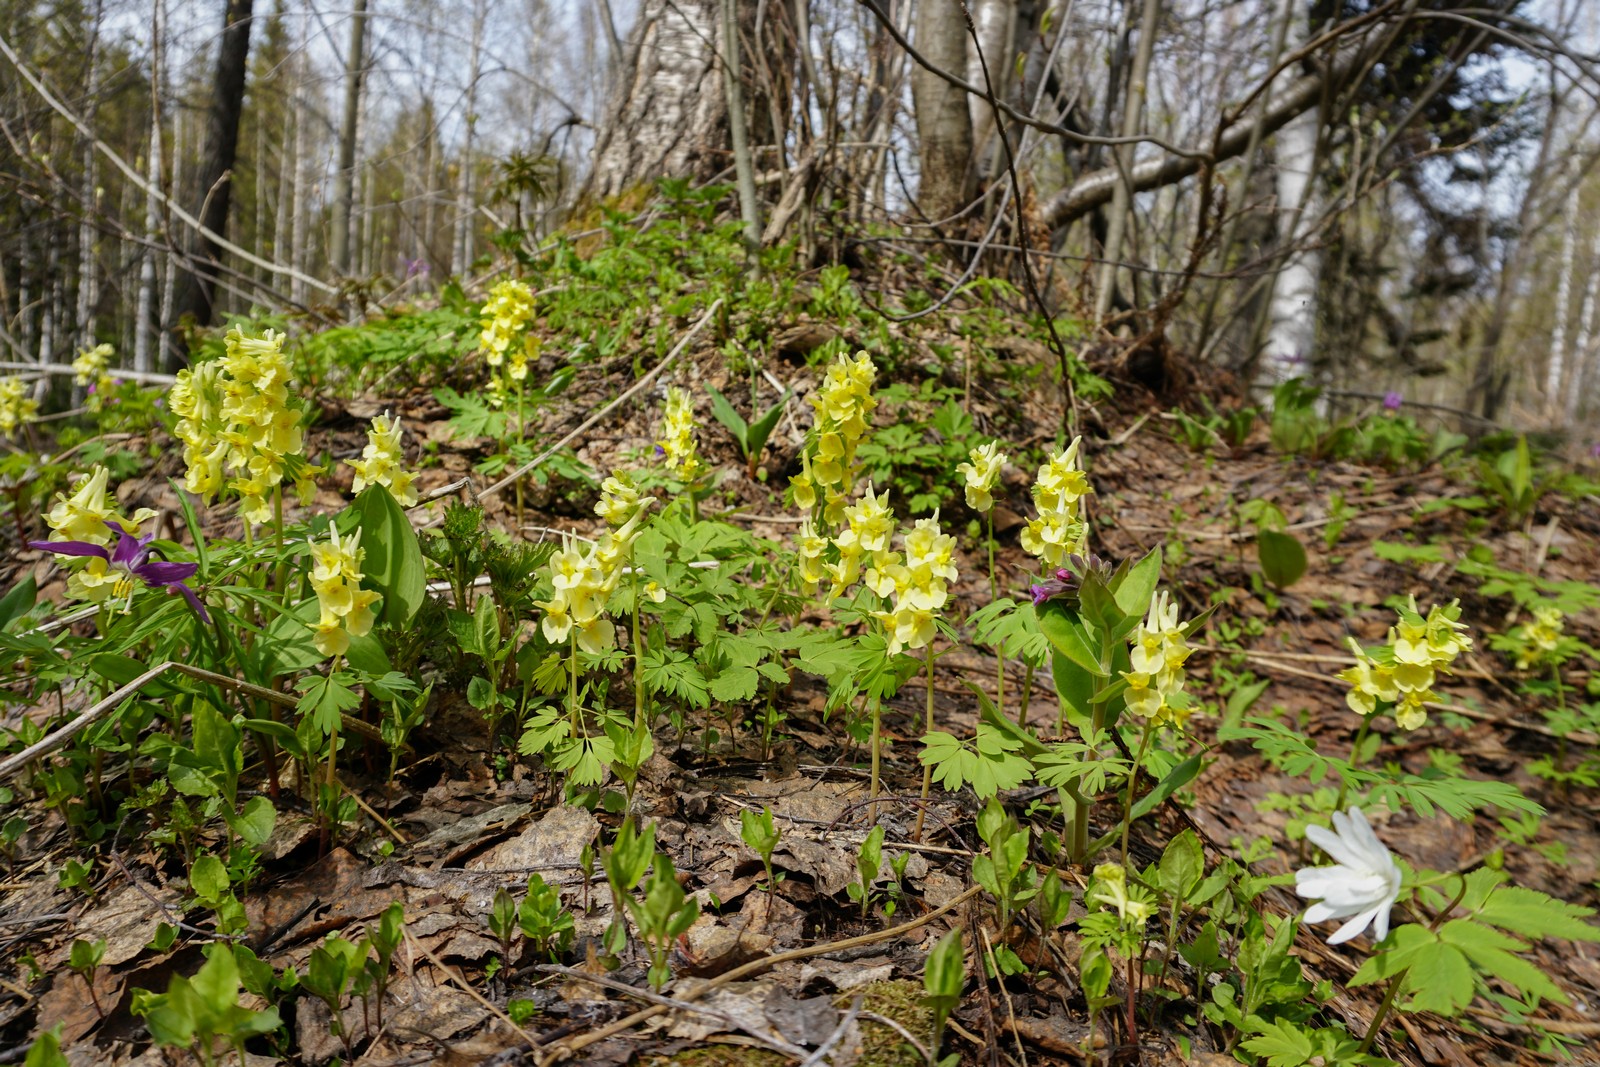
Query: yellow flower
point(1111, 889)
point(583, 582)
point(83, 515)
point(654, 593)
point(90, 369)
point(1058, 491)
point(809, 548)
point(17, 406)
point(677, 435)
point(382, 462)
point(919, 586)
point(1157, 652)
point(1403, 674)
point(982, 472)
point(506, 313)
point(344, 609)
point(620, 500)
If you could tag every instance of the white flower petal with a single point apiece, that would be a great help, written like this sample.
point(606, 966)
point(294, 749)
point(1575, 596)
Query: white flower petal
point(1355, 925)
point(1337, 848)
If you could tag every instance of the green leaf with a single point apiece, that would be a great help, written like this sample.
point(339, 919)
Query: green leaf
point(392, 562)
point(17, 603)
point(1183, 864)
point(255, 821)
point(1494, 953)
point(730, 418)
point(1533, 914)
point(322, 699)
point(762, 428)
point(1175, 779)
point(1067, 634)
point(1280, 1042)
point(1138, 585)
point(1283, 557)
point(209, 878)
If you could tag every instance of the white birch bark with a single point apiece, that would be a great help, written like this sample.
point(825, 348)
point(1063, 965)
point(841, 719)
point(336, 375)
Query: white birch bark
point(1292, 304)
point(1555, 367)
point(1581, 374)
point(298, 258)
point(88, 276)
point(465, 208)
point(145, 304)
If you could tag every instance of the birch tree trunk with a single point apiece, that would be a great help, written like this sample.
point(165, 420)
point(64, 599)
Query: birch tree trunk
point(88, 267)
point(1580, 375)
point(996, 24)
point(732, 77)
point(299, 257)
point(349, 127)
point(1556, 367)
point(666, 113)
point(145, 310)
point(465, 208)
point(1292, 298)
point(944, 123)
point(1132, 123)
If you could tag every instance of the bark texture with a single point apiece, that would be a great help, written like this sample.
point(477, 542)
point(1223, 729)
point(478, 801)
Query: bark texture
point(667, 113)
point(944, 122)
point(196, 294)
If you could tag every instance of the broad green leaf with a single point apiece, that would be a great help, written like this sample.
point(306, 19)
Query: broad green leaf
point(730, 418)
point(255, 821)
point(1494, 953)
point(392, 563)
point(1533, 914)
point(19, 601)
point(208, 878)
point(1067, 634)
point(1280, 1042)
point(1283, 557)
point(1175, 779)
point(1182, 865)
point(1138, 585)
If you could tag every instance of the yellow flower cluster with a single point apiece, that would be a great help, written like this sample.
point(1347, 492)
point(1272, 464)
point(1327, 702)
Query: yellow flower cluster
point(1541, 636)
point(809, 547)
point(506, 315)
point(844, 404)
point(196, 398)
point(1403, 673)
point(865, 538)
point(620, 500)
point(677, 435)
point(1060, 530)
point(82, 516)
point(982, 473)
point(381, 462)
point(17, 406)
point(1156, 653)
point(90, 368)
point(920, 585)
point(345, 607)
point(584, 581)
point(1111, 889)
point(234, 416)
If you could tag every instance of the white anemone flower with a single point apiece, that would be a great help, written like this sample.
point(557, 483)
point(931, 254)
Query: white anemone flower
point(1361, 887)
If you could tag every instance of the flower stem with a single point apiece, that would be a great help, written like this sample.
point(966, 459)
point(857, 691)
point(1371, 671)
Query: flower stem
point(572, 682)
point(1383, 1011)
point(1133, 778)
point(638, 652)
point(927, 771)
point(877, 754)
point(1355, 756)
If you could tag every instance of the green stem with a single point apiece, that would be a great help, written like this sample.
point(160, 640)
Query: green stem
point(572, 682)
point(1133, 778)
point(280, 579)
point(927, 771)
point(877, 755)
point(1027, 694)
point(638, 652)
point(1355, 756)
point(1561, 705)
point(1383, 1011)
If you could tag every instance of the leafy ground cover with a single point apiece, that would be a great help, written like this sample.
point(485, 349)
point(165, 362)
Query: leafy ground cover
point(677, 667)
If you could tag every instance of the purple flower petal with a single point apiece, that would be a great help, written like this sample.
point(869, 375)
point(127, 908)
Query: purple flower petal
point(163, 573)
point(71, 548)
point(189, 595)
point(130, 551)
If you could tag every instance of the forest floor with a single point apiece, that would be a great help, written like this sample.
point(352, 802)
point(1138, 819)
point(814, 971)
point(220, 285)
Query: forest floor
point(801, 965)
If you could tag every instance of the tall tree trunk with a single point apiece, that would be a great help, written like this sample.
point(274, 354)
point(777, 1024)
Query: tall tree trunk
point(944, 123)
point(666, 112)
point(996, 24)
point(744, 168)
point(88, 268)
point(465, 208)
point(1581, 373)
point(1556, 367)
point(344, 180)
point(145, 311)
point(196, 296)
point(1132, 123)
point(1292, 301)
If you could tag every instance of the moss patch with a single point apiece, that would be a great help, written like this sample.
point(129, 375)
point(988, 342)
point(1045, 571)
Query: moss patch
point(883, 1046)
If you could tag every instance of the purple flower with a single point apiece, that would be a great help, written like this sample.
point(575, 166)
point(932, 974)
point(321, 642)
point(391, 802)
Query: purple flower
point(1051, 588)
point(131, 558)
point(1594, 450)
point(1392, 400)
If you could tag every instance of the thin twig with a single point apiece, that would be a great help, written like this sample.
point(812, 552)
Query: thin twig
point(466, 987)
